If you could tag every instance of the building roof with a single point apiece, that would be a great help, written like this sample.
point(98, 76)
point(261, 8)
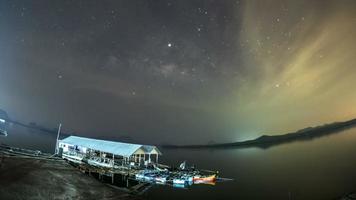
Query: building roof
point(150, 149)
point(117, 148)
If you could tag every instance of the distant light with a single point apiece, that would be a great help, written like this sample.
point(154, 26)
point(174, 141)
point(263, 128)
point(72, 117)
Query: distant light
point(2, 121)
point(169, 45)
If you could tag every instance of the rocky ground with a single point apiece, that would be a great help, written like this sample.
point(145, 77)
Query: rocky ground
point(23, 177)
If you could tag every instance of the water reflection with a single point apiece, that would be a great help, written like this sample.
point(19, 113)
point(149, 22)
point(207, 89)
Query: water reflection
point(317, 169)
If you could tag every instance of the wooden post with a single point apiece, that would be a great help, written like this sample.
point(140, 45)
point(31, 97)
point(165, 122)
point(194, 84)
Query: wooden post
point(112, 178)
point(157, 159)
point(144, 159)
point(139, 159)
point(58, 133)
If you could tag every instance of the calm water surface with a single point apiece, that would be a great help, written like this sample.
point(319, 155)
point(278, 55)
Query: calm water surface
point(323, 168)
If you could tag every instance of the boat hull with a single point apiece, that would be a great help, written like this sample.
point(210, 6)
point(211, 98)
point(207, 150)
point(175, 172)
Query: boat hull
point(211, 178)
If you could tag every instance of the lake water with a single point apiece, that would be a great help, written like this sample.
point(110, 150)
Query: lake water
point(323, 168)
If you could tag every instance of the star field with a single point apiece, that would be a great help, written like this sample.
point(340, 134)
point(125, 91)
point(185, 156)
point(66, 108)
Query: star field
point(172, 70)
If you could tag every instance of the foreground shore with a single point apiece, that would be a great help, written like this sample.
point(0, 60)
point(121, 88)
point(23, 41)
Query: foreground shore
point(24, 177)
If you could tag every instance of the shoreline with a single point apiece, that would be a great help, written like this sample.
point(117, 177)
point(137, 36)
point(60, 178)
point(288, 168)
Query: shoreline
point(266, 141)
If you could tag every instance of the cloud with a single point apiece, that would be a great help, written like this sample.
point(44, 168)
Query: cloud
point(300, 66)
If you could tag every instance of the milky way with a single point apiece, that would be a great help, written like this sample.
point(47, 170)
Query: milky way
point(178, 71)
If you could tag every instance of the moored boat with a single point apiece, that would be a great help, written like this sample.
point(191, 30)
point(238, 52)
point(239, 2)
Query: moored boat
point(183, 180)
point(149, 176)
point(177, 178)
point(73, 158)
point(200, 178)
point(179, 181)
point(161, 179)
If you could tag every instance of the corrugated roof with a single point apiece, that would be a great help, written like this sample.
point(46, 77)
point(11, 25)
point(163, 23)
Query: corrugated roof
point(117, 148)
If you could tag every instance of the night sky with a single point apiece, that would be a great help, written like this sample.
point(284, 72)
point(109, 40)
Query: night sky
point(178, 72)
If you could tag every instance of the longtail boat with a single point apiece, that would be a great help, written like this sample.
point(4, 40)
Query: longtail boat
point(198, 179)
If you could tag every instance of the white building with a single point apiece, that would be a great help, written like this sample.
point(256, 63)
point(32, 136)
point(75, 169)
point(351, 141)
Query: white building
point(106, 153)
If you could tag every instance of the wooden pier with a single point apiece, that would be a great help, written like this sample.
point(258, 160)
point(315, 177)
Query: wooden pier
point(121, 177)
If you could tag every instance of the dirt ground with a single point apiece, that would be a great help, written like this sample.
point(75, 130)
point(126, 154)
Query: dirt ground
point(31, 178)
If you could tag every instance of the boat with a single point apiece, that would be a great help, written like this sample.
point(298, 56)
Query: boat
point(146, 175)
point(179, 181)
point(205, 182)
point(73, 158)
point(176, 178)
point(139, 176)
point(199, 178)
point(161, 179)
point(184, 179)
point(100, 164)
point(178, 185)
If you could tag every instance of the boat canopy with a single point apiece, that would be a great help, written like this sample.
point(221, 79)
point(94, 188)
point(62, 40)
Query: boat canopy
point(116, 148)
